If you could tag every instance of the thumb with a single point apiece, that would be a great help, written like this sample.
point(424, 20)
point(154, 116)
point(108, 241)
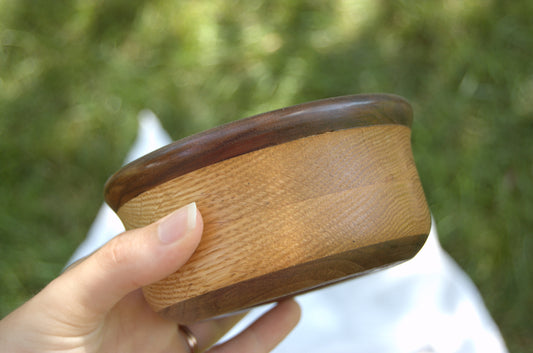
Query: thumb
point(132, 260)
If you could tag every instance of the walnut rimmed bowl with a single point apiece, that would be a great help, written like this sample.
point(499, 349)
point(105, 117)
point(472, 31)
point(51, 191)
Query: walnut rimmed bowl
point(292, 200)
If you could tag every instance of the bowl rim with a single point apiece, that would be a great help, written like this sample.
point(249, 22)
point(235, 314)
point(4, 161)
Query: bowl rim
point(251, 134)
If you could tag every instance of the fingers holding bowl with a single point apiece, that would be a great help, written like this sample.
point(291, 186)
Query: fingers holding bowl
point(261, 336)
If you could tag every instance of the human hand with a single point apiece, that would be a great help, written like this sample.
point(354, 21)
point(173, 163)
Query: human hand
point(97, 305)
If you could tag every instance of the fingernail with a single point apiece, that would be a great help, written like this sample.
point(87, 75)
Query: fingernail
point(177, 224)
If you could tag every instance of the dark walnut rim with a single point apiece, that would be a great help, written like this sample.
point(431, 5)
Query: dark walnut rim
point(251, 134)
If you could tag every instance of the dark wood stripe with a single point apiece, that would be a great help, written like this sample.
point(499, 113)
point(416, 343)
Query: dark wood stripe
point(290, 282)
point(251, 134)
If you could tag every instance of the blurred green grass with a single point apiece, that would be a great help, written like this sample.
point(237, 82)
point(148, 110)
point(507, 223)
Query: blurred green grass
point(74, 75)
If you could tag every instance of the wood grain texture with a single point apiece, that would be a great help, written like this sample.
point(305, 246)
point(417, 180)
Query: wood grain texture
point(290, 217)
point(293, 281)
point(254, 133)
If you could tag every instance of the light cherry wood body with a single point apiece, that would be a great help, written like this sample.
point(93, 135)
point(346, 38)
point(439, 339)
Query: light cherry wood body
point(289, 218)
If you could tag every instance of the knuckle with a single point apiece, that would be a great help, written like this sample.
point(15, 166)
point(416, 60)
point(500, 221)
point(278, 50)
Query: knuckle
point(116, 253)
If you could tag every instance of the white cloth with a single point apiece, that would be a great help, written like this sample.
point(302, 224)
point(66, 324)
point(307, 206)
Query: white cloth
point(427, 304)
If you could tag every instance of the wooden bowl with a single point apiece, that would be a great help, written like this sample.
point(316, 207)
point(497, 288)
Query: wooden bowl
point(292, 200)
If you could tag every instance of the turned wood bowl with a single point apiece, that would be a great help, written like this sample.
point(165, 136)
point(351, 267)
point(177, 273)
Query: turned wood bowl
point(292, 200)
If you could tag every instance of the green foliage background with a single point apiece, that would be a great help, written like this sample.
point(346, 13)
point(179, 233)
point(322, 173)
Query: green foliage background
point(74, 74)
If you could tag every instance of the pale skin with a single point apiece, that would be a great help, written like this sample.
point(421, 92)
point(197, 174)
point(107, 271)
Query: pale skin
point(97, 305)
